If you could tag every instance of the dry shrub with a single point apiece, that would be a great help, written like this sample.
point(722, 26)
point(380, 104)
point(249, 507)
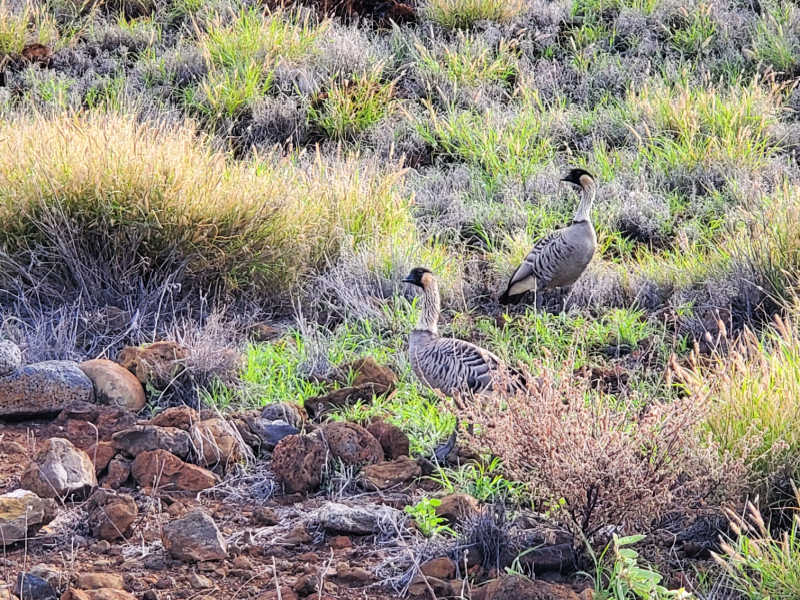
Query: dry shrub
point(604, 464)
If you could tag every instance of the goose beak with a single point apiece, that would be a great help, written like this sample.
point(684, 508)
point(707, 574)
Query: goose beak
point(408, 279)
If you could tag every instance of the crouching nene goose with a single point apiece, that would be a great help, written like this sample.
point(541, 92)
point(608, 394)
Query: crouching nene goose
point(558, 259)
point(451, 365)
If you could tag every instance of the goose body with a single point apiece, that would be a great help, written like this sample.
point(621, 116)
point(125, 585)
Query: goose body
point(558, 259)
point(449, 365)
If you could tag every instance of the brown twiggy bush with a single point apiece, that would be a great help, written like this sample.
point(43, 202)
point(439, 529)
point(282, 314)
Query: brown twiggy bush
point(601, 463)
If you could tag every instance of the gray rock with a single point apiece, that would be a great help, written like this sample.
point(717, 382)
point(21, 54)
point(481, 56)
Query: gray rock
point(43, 388)
point(194, 537)
point(271, 432)
point(31, 587)
point(59, 470)
point(10, 357)
point(361, 520)
point(283, 411)
point(22, 513)
point(143, 438)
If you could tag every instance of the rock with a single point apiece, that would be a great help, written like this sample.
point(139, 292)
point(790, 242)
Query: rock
point(319, 406)
point(43, 388)
point(262, 332)
point(114, 384)
point(362, 519)
point(456, 507)
point(353, 575)
point(165, 471)
point(514, 587)
point(94, 581)
point(155, 364)
point(265, 517)
point(384, 475)
point(284, 411)
point(441, 568)
point(144, 438)
point(22, 513)
point(351, 443)
point(111, 419)
point(101, 454)
point(200, 582)
point(340, 542)
point(111, 515)
point(420, 588)
point(31, 587)
point(59, 470)
point(299, 462)
point(217, 442)
point(98, 594)
point(10, 357)
point(50, 574)
point(367, 371)
point(182, 417)
point(557, 558)
point(391, 438)
point(287, 593)
point(119, 470)
point(103, 421)
point(194, 537)
point(296, 536)
point(269, 433)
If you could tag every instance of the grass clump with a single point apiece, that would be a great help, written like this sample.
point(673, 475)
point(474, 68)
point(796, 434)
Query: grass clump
point(463, 14)
point(353, 106)
point(470, 62)
point(775, 42)
point(162, 195)
point(754, 396)
point(24, 26)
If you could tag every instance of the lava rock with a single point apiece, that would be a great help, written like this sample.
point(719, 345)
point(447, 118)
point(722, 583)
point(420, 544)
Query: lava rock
point(22, 513)
point(101, 454)
point(31, 587)
point(144, 438)
point(270, 432)
point(384, 475)
point(114, 385)
point(217, 442)
point(514, 587)
point(168, 472)
point(43, 388)
point(111, 514)
point(59, 470)
point(155, 364)
point(284, 411)
point(194, 537)
point(119, 470)
point(95, 581)
point(441, 568)
point(10, 357)
point(351, 443)
point(391, 438)
point(182, 417)
point(456, 507)
point(362, 519)
point(299, 462)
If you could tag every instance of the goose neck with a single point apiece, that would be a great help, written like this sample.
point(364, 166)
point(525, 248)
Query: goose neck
point(584, 209)
point(431, 307)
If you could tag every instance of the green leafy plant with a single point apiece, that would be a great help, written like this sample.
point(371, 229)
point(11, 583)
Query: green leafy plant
point(483, 480)
point(625, 578)
point(424, 515)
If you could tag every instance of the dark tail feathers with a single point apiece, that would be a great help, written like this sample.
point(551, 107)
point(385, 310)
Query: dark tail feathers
point(507, 299)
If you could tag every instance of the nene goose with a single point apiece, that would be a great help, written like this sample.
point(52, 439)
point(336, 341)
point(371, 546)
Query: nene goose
point(448, 364)
point(558, 259)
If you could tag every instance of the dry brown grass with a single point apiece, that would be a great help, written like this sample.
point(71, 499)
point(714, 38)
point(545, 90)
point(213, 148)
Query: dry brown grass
point(604, 464)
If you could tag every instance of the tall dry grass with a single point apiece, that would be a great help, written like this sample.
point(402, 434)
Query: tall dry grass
point(107, 184)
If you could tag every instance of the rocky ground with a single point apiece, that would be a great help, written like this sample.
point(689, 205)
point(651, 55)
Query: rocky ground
point(97, 502)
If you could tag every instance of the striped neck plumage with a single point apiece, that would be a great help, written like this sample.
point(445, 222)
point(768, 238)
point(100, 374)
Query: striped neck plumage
point(429, 313)
point(588, 191)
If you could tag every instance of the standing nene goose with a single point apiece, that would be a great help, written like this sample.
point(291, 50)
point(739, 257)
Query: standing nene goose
point(451, 365)
point(558, 259)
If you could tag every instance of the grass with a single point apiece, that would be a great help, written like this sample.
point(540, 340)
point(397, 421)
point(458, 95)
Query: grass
point(463, 14)
point(241, 225)
point(27, 25)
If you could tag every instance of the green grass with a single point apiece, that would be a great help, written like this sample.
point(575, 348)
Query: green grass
point(27, 25)
point(463, 14)
point(483, 480)
point(773, 44)
point(470, 62)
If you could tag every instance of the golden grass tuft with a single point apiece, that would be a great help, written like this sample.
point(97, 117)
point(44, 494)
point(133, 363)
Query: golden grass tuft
point(260, 224)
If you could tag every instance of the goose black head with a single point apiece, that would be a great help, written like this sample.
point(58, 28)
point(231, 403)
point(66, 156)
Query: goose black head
point(579, 177)
point(418, 276)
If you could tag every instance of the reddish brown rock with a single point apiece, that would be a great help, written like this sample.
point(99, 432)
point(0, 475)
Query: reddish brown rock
point(114, 385)
point(456, 507)
point(143, 438)
point(95, 580)
point(340, 542)
point(287, 593)
point(367, 371)
point(194, 537)
point(98, 594)
point(216, 442)
point(101, 454)
point(182, 417)
point(351, 443)
point(384, 475)
point(111, 515)
point(442, 568)
point(420, 588)
point(299, 462)
point(119, 470)
point(391, 438)
point(110, 420)
point(82, 434)
point(58, 470)
point(162, 470)
point(514, 587)
point(154, 364)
